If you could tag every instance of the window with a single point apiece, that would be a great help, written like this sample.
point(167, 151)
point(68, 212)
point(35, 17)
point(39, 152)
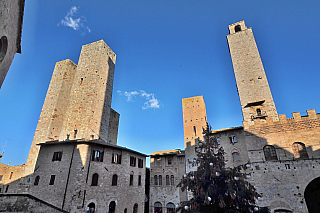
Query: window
point(92, 207)
point(219, 141)
point(172, 180)
point(36, 180)
point(114, 180)
point(167, 180)
point(11, 174)
point(170, 208)
point(132, 161)
point(155, 180)
point(112, 207)
point(125, 210)
point(52, 178)
point(116, 158)
point(95, 178)
point(140, 163)
point(135, 208)
point(237, 28)
point(160, 180)
point(270, 153)
point(7, 187)
point(3, 47)
point(157, 207)
point(97, 156)
point(195, 130)
point(131, 180)
point(181, 160)
point(233, 139)
point(139, 180)
point(57, 156)
point(169, 161)
point(299, 150)
point(235, 157)
point(76, 131)
point(259, 112)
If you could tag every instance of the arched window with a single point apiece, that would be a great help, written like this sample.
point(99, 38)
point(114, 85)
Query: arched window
point(237, 28)
point(112, 207)
point(92, 207)
point(95, 177)
point(135, 208)
point(160, 180)
point(170, 208)
point(125, 210)
point(233, 139)
point(157, 207)
point(270, 153)
point(36, 180)
point(300, 150)
point(172, 180)
point(236, 157)
point(155, 180)
point(114, 180)
point(167, 180)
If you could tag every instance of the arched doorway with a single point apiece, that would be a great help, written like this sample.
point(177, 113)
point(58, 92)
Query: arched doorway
point(91, 208)
point(112, 207)
point(312, 195)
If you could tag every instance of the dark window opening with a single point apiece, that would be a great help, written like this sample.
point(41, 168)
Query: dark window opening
point(81, 81)
point(97, 156)
point(131, 180)
point(75, 133)
point(36, 180)
point(167, 180)
point(57, 156)
point(287, 166)
point(11, 175)
point(91, 207)
point(52, 178)
point(195, 130)
point(157, 207)
point(259, 112)
point(132, 161)
point(139, 180)
point(116, 158)
point(114, 180)
point(233, 139)
point(3, 47)
point(236, 157)
point(160, 180)
point(169, 160)
point(125, 210)
point(155, 180)
point(112, 207)
point(140, 163)
point(7, 187)
point(135, 208)
point(237, 28)
point(94, 181)
point(170, 208)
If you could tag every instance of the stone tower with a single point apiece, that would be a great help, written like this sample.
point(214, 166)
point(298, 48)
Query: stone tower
point(194, 119)
point(253, 88)
point(78, 101)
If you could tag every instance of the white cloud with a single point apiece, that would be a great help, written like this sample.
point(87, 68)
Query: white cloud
point(151, 101)
point(75, 21)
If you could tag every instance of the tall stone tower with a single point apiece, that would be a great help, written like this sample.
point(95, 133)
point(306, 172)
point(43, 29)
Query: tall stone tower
point(78, 102)
point(194, 119)
point(253, 88)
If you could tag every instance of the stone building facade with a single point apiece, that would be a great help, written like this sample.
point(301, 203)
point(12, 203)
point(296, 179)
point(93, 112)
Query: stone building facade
point(281, 154)
point(74, 161)
point(11, 16)
point(166, 170)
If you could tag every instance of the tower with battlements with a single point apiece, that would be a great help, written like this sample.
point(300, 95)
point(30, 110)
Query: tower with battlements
point(253, 88)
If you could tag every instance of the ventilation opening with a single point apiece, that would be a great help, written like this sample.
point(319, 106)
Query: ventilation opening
point(3, 47)
point(237, 28)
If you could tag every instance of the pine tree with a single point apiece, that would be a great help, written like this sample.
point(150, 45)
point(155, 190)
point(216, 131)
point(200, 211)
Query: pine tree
point(216, 188)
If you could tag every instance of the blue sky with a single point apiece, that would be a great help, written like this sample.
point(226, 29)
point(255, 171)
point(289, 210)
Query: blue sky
point(166, 51)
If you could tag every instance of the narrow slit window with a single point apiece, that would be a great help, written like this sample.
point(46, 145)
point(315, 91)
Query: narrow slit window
point(52, 179)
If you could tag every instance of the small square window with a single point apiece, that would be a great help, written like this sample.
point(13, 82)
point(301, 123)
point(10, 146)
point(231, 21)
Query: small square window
point(57, 156)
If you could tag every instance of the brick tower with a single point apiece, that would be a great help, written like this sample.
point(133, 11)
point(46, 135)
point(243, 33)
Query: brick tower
point(194, 119)
point(253, 88)
point(78, 102)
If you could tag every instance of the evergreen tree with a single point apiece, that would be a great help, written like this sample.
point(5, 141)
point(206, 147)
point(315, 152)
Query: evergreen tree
point(216, 188)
